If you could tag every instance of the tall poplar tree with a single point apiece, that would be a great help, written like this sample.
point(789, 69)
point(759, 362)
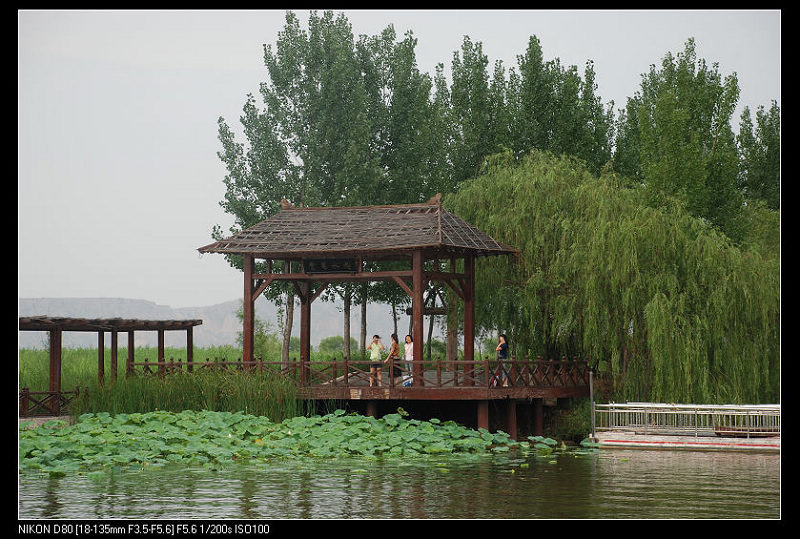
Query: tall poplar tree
point(760, 151)
point(675, 137)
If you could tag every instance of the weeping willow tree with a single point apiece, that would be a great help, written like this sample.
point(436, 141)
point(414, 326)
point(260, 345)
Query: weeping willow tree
point(663, 304)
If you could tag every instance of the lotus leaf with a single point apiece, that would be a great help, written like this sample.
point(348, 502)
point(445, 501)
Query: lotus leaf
point(101, 442)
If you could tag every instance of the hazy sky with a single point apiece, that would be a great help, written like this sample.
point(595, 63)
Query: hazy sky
point(118, 178)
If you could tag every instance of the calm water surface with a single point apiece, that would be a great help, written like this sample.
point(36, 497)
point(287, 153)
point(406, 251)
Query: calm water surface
point(607, 484)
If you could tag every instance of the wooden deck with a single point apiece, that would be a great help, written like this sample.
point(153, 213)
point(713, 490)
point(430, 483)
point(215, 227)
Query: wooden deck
point(435, 380)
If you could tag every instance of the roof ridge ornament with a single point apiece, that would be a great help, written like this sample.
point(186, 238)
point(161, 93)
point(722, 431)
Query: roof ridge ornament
point(436, 199)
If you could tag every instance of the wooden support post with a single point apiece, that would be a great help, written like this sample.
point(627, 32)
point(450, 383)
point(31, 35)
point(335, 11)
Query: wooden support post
point(305, 330)
point(161, 365)
point(55, 370)
point(538, 417)
point(129, 365)
point(417, 307)
point(101, 366)
point(189, 349)
point(248, 322)
point(468, 288)
point(483, 414)
point(511, 418)
point(372, 408)
point(113, 356)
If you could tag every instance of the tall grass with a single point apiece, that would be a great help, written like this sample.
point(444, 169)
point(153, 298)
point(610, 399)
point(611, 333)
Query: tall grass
point(249, 391)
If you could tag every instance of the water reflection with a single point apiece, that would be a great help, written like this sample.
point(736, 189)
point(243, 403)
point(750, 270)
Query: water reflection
point(608, 484)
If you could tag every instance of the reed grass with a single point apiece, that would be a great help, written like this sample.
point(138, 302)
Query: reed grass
point(232, 391)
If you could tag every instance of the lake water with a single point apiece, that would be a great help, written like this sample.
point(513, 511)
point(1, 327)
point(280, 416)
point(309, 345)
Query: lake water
point(625, 484)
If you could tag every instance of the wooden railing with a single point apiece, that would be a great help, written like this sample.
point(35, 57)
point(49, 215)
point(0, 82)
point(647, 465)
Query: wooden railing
point(45, 403)
point(437, 373)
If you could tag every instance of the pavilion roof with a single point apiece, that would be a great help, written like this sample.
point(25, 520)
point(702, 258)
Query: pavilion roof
point(363, 230)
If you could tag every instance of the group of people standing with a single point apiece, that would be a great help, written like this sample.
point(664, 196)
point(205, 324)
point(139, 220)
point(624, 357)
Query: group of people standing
point(376, 347)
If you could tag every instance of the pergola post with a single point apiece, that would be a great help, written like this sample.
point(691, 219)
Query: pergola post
point(189, 349)
point(161, 365)
point(417, 309)
point(113, 355)
point(55, 370)
point(129, 365)
point(101, 367)
point(249, 316)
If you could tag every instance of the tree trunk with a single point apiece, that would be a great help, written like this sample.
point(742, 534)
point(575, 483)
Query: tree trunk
point(363, 342)
point(347, 301)
point(430, 327)
point(394, 319)
point(287, 329)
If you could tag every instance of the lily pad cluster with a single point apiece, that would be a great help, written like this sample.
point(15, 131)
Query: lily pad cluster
point(99, 442)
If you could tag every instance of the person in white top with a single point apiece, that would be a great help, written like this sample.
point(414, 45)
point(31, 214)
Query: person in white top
point(408, 357)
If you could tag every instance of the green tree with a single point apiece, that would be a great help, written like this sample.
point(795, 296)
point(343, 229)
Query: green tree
point(675, 137)
point(664, 304)
point(552, 108)
point(760, 151)
point(335, 345)
point(470, 103)
point(311, 141)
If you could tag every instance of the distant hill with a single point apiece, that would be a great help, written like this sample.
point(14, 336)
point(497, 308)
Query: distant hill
point(220, 323)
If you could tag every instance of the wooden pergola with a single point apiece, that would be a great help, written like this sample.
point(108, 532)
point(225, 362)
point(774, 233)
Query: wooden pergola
point(55, 326)
point(333, 245)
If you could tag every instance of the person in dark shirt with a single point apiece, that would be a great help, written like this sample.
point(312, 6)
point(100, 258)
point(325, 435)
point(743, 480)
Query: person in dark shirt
point(502, 355)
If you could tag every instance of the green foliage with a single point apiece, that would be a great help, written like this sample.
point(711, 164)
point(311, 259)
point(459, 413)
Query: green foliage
point(675, 137)
point(662, 302)
point(760, 151)
point(105, 442)
point(334, 346)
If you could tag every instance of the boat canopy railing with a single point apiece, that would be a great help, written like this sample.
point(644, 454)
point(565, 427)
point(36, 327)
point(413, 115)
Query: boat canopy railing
point(688, 419)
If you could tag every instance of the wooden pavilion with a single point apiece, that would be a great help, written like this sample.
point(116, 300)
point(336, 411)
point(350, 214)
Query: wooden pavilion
point(321, 246)
point(331, 245)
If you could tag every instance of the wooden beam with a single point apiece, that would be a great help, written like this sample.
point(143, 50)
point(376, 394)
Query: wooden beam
point(248, 322)
point(403, 285)
point(320, 289)
point(336, 277)
point(455, 287)
point(262, 286)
